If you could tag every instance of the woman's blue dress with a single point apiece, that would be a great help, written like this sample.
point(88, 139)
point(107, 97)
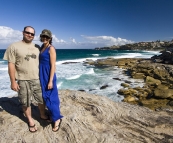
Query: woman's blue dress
point(50, 96)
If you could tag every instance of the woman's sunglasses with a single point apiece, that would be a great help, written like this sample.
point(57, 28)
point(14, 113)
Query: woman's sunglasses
point(44, 36)
point(32, 34)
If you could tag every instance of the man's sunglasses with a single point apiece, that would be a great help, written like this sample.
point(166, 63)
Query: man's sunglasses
point(32, 34)
point(44, 36)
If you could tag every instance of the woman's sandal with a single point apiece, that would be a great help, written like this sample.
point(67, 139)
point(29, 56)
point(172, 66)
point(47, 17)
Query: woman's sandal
point(29, 126)
point(57, 126)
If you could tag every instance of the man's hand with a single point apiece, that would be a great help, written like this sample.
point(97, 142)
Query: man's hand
point(15, 86)
point(11, 72)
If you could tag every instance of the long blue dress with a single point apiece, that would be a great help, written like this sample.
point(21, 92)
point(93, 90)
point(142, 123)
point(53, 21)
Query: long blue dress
point(50, 96)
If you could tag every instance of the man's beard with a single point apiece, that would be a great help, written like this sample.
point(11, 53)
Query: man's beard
point(26, 40)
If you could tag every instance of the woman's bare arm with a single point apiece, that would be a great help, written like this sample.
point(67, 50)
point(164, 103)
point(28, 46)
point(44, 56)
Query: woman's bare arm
point(52, 53)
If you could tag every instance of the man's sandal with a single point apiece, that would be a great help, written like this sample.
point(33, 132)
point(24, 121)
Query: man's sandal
point(29, 126)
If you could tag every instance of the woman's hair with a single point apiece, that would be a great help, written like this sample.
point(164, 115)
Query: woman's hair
point(50, 42)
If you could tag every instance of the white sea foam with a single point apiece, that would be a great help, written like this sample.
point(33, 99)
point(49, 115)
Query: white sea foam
point(75, 61)
point(73, 77)
point(106, 78)
point(68, 61)
point(155, 52)
point(59, 84)
point(94, 59)
point(4, 69)
point(91, 71)
point(96, 55)
point(128, 55)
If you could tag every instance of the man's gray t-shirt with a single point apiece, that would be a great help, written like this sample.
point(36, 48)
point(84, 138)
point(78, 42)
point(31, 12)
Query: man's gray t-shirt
point(26, 59)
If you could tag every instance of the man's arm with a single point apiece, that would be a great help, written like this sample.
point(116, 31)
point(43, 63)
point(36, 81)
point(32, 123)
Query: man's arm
point(11, 72)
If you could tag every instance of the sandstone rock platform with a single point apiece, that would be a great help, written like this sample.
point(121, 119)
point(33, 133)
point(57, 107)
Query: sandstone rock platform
point(87, 119)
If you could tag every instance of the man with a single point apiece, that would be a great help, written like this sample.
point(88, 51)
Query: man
point(23, 66)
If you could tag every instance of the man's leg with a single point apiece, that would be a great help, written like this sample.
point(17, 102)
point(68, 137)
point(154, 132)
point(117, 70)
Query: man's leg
point(27, 112)
point(42, 111)
point(37, 94)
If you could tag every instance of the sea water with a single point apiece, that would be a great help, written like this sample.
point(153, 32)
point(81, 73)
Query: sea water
point(77, 76)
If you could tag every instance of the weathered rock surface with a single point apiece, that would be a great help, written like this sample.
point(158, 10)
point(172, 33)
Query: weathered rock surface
point(70, 62)
point(87, 119)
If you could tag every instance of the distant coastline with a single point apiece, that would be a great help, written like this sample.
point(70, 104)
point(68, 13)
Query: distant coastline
point(149, 46)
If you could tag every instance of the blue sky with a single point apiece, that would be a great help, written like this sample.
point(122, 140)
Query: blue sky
point(87, 23)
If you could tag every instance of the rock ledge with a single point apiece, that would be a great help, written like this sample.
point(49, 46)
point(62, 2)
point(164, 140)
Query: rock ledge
point(87, 119)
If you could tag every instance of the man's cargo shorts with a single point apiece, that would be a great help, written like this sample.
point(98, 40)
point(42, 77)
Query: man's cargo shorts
point(30, 92)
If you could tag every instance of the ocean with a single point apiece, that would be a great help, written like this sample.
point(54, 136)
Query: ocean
point(77, 76)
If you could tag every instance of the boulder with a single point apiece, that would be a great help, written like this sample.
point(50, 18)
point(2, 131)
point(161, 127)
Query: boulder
point(104, 86)
point(154, 103)
point(125, 85)
point(162, 87)
point(129, 91)
point(151, 80)
point(138, 76)
point(163, 93)
point(129, 99)
point(89, 61)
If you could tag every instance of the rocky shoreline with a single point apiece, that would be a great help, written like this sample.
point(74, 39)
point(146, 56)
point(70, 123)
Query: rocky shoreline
point(90, 118)
point(157, 73)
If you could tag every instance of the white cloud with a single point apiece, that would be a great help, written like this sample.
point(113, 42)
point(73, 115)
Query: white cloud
point(56, 40)
point(107, 40)
point(9, 35)
point(73, 40)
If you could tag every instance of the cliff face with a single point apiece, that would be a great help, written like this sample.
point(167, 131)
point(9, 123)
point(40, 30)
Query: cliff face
point(87, 119)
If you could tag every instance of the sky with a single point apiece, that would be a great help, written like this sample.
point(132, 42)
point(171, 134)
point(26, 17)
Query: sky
point(87, 24)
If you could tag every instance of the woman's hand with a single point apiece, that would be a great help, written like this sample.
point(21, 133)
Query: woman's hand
point(50, 85)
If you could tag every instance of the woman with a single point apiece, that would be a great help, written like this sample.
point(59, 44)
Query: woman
point(47, 59)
